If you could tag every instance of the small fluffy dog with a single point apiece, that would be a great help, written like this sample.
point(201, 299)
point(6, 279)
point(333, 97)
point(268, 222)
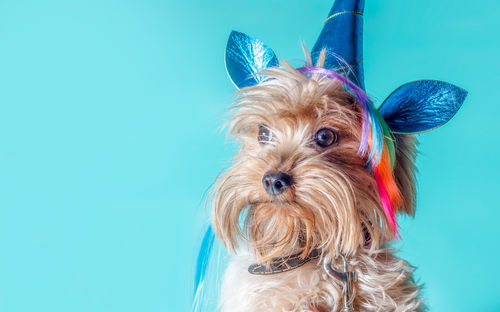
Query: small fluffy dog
point(300, 185)
point(308, 206)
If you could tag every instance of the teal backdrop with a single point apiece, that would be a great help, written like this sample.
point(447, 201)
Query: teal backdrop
point(109, 140)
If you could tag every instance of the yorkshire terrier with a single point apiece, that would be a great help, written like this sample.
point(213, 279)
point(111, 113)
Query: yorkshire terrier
point(308, 206)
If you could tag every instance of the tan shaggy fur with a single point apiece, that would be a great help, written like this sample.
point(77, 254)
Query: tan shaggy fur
point(332, 199)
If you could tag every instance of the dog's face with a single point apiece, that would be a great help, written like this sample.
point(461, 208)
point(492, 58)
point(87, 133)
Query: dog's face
point(298, 181)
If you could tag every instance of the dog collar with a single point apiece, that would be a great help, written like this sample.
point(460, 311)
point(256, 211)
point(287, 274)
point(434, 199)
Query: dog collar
point(283, 264)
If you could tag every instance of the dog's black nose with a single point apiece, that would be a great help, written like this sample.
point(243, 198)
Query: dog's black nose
point(276, 183)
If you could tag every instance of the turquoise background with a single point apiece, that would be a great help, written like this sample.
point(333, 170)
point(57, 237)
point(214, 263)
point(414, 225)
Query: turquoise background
point(109, 117)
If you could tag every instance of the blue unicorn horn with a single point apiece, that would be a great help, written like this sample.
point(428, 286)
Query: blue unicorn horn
point(342, 37)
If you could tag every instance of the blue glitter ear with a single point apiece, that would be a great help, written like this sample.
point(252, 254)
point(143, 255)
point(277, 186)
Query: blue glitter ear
point(246, 58)
point(421, 106)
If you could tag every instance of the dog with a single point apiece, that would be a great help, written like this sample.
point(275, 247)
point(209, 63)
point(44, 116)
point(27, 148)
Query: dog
point(308, 207)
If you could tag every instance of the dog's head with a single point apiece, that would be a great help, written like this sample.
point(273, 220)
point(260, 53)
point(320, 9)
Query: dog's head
point(299, 181)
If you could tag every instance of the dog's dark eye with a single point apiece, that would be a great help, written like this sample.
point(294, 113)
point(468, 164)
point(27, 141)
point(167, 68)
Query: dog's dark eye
point(325, 137)
point(265, 135)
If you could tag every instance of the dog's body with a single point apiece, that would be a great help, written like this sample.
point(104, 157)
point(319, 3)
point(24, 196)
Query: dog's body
point(384, 284)
point(308, 206)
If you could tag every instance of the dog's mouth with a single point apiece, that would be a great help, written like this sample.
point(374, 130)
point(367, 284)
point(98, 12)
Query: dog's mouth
point(279, 203)
point(284, 207)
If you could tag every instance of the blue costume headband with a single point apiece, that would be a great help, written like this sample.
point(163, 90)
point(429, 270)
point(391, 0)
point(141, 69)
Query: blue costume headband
point(414, 107)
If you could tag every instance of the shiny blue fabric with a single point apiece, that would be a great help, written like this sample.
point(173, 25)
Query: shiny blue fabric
point(246, 57)
point(421, 106)
point(203, 257)
point(342, 37)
